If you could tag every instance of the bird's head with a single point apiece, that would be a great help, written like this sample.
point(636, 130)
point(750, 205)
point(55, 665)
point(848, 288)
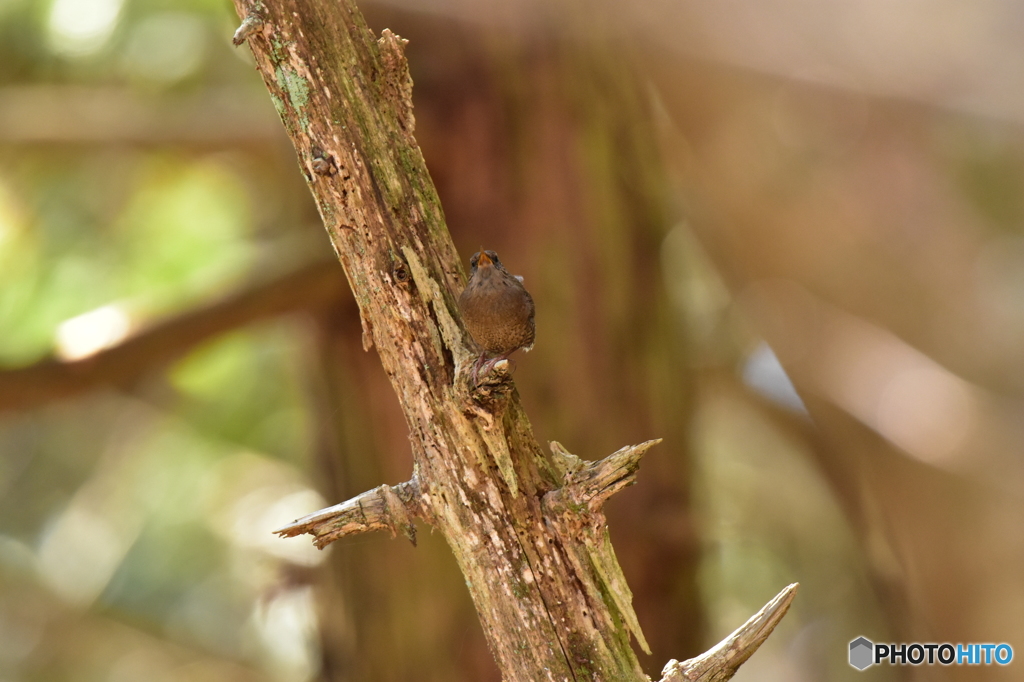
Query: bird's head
point(484, 260)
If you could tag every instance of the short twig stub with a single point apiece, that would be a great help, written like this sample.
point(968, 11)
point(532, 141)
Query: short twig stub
point(721, 662)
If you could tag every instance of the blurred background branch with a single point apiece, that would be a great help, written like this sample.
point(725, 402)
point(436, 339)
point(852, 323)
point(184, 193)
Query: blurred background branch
point(82, 114)
point(154, 348)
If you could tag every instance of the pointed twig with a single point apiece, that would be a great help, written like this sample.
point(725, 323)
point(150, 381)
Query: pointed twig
point(721, 662)
point(388, 508)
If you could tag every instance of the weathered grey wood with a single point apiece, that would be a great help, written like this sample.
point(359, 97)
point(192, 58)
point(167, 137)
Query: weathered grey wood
point(384, 508)
point(526, 528)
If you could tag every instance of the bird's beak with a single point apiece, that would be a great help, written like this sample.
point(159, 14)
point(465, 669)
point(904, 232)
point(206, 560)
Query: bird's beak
point(484, 259)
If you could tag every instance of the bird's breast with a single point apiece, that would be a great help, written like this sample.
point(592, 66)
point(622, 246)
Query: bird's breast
point(498, 313)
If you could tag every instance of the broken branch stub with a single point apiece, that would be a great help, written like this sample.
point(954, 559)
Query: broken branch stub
point(588, 485)
point(386, 507)
point(574, 513)
point(721, 662)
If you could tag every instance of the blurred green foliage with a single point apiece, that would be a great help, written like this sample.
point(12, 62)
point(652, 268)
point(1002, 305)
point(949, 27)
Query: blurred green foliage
point(82, 239)
point(140, 521)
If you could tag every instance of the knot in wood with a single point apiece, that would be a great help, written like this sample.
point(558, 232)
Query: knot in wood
point(400, 273)
point(323, 164)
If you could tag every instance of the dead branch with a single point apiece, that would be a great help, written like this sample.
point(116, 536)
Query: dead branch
point(721, 662)
point(385, 508)
point(526, 529)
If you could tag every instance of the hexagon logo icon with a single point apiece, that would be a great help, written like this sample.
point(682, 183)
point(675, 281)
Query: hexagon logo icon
point(861, 653)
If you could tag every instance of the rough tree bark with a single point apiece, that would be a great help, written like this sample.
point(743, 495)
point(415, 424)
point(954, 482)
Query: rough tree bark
point(526, 527)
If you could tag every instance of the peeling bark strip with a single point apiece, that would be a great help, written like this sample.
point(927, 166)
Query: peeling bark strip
point(526, 529)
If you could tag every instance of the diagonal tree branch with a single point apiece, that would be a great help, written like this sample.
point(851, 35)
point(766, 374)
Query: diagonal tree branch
point(549, 592)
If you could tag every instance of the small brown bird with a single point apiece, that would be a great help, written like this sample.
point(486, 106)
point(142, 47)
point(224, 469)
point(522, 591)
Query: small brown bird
point(497, 310)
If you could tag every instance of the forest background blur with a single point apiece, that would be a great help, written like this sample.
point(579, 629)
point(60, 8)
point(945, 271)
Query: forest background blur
point(698, 196)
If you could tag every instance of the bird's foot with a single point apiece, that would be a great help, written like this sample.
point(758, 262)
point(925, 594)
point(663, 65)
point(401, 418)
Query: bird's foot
point(499, 366)
point(474, 374)
point(489, 381)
